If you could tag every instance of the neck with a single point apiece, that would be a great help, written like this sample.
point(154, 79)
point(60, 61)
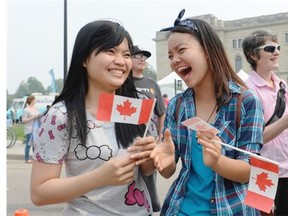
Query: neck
point(137, 75)
point(267, 76)
point(205, 107)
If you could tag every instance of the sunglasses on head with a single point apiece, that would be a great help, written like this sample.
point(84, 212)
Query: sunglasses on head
point(269, 48)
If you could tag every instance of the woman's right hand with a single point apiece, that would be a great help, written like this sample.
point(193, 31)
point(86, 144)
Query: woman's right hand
point(118, 171)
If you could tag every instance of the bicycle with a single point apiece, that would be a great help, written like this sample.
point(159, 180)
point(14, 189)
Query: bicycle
point(11, 136)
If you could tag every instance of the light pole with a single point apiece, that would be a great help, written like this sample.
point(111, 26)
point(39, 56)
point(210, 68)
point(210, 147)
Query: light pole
point(65, 42)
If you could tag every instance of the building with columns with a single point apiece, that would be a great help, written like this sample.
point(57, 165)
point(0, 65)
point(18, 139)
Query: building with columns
point(232, 33)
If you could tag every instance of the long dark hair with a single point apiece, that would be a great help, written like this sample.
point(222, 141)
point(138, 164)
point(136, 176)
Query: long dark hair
point(217, 58)
point(99, 35)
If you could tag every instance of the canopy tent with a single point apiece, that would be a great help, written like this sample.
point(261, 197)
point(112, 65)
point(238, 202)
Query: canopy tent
point(171, 84)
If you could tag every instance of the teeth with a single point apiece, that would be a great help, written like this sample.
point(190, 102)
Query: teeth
point(181, 69)
point(119, 72)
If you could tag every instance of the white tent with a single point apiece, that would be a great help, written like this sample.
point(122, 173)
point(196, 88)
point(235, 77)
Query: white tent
point(168, 84)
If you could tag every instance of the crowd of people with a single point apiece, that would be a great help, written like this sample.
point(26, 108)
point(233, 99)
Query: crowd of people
point(111, 169)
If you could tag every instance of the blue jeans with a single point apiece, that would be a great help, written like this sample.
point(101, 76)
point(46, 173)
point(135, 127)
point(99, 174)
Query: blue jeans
point(27, 147)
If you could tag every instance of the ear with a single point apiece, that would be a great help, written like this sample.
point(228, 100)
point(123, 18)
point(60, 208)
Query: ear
point(84, 64)
point(254, 56)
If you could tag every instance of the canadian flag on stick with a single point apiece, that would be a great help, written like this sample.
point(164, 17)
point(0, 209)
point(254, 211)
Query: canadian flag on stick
point(262, 184)
point(117, 108)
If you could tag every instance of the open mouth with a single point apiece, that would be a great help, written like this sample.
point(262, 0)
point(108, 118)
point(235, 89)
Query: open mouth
point(184, 71)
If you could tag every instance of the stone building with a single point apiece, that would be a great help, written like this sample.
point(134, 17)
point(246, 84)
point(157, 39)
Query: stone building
point(232, 33)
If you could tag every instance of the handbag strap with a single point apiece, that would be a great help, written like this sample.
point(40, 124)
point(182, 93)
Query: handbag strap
point(280, 104)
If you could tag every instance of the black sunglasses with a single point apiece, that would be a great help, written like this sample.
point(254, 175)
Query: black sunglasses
point(186, 23)
point(269, 48)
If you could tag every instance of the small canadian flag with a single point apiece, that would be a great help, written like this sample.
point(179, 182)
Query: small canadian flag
point(117, 108)
point(262, 184)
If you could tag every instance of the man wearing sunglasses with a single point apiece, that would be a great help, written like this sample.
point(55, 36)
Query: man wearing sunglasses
point(150, 89)
point(262, 51)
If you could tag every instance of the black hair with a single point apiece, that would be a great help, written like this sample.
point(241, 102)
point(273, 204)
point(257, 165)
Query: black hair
point(98, 35)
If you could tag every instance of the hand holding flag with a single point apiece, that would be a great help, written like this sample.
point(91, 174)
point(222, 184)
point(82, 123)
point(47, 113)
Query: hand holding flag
point(264, 173)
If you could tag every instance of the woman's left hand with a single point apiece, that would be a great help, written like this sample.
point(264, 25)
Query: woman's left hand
point(211, 149)
point(142, 148)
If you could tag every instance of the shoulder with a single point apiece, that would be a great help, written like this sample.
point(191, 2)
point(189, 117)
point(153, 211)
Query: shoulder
point(249, 95)
point(251, 104)
point(57, 113)
point(178, 100)
point(148, 79)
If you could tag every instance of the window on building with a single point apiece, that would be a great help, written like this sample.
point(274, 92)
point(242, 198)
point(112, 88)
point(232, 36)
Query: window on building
point(237, 43)
point(240, 43)
point(238, 63)
point(234, 44)
point(286, 38)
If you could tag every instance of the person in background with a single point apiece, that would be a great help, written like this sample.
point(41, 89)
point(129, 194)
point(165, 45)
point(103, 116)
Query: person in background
point(30, 115)
point(165, 100)
point(12, 114)
point(103, 175)
point(213, 180)
point(150, 89)
point(262, 51)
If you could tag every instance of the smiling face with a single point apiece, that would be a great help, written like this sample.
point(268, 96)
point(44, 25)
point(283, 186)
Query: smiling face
point(267, 61)
point(108, 70)
point(187, 58)
point(138, 65)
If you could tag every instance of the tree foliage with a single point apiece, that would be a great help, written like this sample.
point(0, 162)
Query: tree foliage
point(150, 72)
point(26, 88)
point(32, 85)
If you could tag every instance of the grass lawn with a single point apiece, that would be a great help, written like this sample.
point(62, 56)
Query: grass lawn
point(19, 130)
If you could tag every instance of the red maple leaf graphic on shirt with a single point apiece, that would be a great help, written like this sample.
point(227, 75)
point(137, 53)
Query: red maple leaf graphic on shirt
point(126, 109)
point(263, 181)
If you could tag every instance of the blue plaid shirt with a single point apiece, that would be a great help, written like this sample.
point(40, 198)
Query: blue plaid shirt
point(227, 196)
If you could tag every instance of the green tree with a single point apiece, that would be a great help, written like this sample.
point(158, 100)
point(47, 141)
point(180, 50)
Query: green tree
point(150, 72)
point(9, 99)
point(27, 88)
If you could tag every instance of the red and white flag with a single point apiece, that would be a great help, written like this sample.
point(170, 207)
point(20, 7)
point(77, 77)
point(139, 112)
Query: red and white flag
point(262, 184)
point(117, 108)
